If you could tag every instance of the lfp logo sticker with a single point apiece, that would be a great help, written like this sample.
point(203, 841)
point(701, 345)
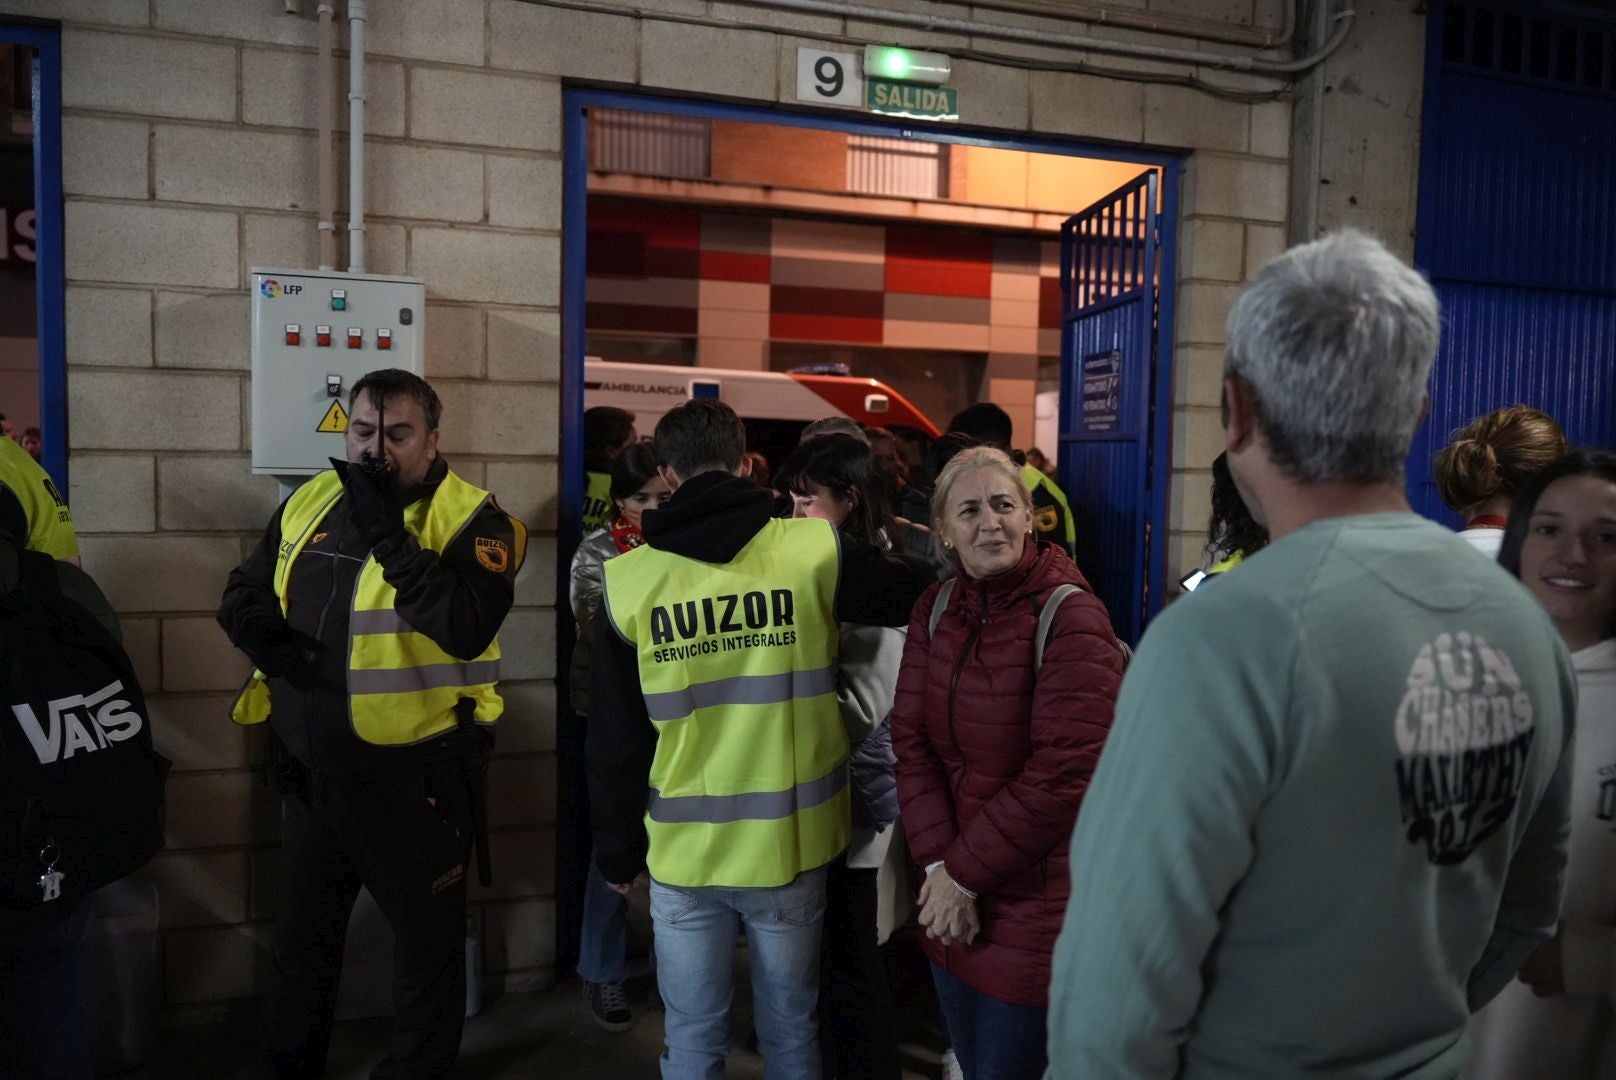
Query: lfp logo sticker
point(270, 288)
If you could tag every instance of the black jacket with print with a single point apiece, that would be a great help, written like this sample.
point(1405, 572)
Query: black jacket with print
point(455, 598)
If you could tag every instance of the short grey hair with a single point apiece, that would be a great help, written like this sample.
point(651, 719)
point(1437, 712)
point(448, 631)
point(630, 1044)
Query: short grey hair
point(1336, 339)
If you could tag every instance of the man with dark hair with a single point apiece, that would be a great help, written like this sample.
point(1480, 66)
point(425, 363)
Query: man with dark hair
point(608, 431)
point(832, 425)
point(1052, 517)
point(371, 610)
point(717, 756)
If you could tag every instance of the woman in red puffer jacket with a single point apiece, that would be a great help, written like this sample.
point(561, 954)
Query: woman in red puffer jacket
point(993, 760)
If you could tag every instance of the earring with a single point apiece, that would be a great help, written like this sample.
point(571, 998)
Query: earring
point(947, 546)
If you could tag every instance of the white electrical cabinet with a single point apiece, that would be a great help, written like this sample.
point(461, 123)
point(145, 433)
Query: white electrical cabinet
point(315, 333)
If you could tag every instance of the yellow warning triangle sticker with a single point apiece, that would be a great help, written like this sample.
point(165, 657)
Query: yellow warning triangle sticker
point(335, 421)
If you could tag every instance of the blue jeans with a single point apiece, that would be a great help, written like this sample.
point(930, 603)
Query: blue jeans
point(695, 950)
point(603, 943)
point(42, 1032)
point(992, 1040)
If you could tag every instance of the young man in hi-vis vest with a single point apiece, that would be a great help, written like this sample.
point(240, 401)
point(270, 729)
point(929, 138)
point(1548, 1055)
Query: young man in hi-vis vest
point(717, 757)
point(371, 609)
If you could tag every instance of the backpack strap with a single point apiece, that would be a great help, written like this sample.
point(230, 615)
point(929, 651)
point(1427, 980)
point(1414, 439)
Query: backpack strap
point(938, 606)
point(1046, 619)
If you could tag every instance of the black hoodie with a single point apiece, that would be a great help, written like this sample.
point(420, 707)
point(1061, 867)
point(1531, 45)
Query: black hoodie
point(710, 518)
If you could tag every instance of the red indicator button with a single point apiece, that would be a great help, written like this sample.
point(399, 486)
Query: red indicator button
point(384, 338)
point(322, 335)
point(356, 337)
point(294, 335)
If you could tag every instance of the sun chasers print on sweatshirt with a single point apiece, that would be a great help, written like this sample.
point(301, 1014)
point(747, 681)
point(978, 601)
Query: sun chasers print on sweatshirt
point(1330, 820)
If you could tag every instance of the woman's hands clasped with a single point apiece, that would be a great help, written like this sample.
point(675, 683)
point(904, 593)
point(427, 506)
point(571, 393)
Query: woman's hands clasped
point(947, 912)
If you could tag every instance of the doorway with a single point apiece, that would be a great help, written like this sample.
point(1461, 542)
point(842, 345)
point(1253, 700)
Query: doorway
point(637, 251)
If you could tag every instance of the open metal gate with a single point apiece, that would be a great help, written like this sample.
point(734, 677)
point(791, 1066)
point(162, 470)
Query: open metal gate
point(1110, 275)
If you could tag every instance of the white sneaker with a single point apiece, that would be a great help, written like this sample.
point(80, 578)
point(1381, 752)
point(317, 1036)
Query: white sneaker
point(951, 1066)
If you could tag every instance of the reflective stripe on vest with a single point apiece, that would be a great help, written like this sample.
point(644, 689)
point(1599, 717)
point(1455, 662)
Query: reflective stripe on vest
point(738, 667)
point(761, 805)
point(402, 687)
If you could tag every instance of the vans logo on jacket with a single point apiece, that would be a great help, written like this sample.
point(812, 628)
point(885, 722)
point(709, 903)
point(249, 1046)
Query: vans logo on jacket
point(79, 723)
point(1464, 729)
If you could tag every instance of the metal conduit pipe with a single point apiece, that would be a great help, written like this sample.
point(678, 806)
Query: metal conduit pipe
point(327, 159)
point(356, 136)
point(1187, 26)
point(1256, 65)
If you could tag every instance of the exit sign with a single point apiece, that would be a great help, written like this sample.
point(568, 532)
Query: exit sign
point(891, 98)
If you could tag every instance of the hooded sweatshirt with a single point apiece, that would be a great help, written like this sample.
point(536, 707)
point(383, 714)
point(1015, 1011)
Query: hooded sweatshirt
point(711, 518)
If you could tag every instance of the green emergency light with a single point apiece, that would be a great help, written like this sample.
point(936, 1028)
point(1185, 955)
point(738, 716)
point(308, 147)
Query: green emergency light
point(906, 65)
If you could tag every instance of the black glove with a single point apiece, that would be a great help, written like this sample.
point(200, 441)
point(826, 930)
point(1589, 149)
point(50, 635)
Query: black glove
point(290, 655)
point(373, 502)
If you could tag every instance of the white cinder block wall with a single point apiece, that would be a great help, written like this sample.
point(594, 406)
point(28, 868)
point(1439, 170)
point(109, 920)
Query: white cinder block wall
point(189, 157)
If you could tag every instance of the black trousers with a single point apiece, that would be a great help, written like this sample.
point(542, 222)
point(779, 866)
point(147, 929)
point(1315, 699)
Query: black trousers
point(407, 839)
point(858, 1037)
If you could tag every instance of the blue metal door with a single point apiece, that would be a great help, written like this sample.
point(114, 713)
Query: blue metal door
point(1110, 273)
point(1517, 221)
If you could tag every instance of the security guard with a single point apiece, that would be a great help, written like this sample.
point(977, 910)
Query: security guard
point(713, 690)
point(608, 431)
point(31, 506)
point(371, 608)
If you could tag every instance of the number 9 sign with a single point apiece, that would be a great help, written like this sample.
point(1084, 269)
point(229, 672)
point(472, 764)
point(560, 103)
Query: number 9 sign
point(829, 78)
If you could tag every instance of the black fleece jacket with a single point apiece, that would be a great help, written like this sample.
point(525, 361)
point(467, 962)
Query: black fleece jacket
point(455, 598)
point(710, 518)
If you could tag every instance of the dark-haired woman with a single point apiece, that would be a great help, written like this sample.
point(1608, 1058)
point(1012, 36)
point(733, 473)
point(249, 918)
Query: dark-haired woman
point(1233, 534)
point(837, 478)
point(1489, 460)
point(1557, 1022)
point(636, 487)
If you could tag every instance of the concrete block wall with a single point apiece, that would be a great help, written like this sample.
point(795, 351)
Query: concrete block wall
point(189, 158)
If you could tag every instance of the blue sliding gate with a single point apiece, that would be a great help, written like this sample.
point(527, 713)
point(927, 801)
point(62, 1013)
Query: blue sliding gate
point(1517, 221)
point(1110, 274)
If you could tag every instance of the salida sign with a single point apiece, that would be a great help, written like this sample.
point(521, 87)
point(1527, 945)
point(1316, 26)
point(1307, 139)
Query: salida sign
point(907, 99)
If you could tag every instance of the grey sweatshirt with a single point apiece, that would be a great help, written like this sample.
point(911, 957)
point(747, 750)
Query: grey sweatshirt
point(1330, 820)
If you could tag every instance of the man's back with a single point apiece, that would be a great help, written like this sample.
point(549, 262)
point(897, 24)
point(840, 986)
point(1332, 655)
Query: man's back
point(1336, 752)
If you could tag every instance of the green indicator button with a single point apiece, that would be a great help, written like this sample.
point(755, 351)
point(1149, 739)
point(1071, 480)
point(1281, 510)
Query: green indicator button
point(339, 300)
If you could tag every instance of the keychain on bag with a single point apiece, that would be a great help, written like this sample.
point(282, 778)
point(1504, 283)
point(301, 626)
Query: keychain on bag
point(50, 882)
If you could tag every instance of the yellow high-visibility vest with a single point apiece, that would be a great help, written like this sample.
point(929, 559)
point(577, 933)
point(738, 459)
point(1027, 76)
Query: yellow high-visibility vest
point(1034, 478)
point(738, 667)
point(597, 500)
point(50, 524)
point(402, 687)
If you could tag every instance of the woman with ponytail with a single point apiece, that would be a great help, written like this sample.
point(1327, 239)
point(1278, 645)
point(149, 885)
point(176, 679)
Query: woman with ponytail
point(1488, 461)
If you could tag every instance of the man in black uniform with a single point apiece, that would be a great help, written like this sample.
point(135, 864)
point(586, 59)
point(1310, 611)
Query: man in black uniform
point(371, 608)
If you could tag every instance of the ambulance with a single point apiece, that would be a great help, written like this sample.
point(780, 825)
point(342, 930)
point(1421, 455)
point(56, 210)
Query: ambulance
point(774, 405)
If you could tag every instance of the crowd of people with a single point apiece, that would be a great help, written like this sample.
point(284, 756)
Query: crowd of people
point(1350, 810)
point(1320, 828)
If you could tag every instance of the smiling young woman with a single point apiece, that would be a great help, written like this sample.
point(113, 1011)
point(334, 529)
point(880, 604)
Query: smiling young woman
point(1554, 1023)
